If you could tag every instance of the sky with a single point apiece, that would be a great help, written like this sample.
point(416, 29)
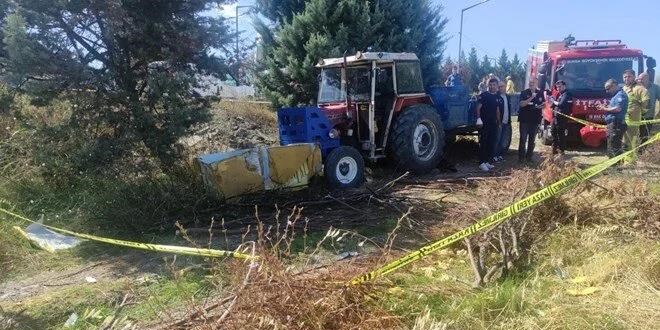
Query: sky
point(516, 25)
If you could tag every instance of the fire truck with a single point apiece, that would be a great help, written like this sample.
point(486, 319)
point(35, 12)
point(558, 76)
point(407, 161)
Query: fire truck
point(585, 66)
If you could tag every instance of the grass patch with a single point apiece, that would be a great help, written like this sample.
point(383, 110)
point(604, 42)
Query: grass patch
point(572, 259)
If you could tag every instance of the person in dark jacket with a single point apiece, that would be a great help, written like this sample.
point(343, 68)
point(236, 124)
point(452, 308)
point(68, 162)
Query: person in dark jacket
point(560, 105)
point(531, 103)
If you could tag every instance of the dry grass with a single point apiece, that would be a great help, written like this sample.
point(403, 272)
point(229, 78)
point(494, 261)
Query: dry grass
point(651, 154)
point(275, 293)
point(258, 112)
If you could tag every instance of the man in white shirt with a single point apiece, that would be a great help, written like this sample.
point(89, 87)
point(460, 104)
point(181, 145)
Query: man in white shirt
point(501, 146)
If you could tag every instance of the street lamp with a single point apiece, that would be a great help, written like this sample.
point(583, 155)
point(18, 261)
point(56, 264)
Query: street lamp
point(460, 34)
point(238, 55)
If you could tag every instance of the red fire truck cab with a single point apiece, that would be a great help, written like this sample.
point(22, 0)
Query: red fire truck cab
point(585, 66)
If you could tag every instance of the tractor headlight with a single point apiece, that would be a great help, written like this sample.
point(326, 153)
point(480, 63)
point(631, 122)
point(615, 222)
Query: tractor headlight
point(333, 134)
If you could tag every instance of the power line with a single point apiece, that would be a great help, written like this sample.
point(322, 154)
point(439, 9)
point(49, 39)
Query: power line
point(473, 44)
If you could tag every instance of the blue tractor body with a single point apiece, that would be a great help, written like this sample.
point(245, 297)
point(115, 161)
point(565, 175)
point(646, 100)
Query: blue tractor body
point(306, 125)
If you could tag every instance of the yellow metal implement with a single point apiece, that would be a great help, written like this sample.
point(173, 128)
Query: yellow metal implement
point(241, 172)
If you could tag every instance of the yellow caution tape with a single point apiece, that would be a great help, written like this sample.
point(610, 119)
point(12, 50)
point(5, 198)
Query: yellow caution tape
point(498, 217)
point(581, 121)
point(144, 246)
point(592, 124)
point(643, 122)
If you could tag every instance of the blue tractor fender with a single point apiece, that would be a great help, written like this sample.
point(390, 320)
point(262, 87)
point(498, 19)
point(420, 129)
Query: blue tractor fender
point(306, 125)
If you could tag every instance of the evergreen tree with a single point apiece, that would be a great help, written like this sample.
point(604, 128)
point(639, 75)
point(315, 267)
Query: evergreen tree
point(4, 10)
point(503, 65)
point(328, 28)
point(487, 67)
point(518, 71)
point(280, 11)
point(476, 71)
point(128, 67)
point(463, 58)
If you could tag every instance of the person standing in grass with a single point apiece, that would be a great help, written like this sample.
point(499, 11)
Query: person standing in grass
point(615, 117)
point(501, 146)
point(489, 107)
point(638, 100)
point(531, 103)
point(654, 97)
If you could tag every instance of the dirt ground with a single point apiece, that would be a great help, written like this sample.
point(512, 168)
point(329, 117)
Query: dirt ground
point(133, 265)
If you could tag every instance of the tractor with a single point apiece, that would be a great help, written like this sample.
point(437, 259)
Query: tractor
point(373, 106)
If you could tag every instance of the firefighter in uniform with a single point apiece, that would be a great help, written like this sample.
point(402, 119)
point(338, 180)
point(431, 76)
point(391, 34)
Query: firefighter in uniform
point(638, 100)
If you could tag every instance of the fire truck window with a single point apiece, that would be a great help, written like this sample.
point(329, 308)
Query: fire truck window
point(591, 74)
point(409, 78)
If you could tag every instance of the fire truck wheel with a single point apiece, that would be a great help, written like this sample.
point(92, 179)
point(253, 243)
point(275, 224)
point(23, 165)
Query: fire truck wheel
point(344, 168)
point(545, 133)
point(418, 139)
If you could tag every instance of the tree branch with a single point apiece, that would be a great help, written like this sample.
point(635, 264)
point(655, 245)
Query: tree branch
point(73, 37)
point(476, 268)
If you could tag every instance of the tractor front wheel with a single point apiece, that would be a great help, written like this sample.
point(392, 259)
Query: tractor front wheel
point(344, 168)
point(418, 139)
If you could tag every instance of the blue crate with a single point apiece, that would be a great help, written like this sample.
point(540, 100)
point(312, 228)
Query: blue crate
point(305, 125)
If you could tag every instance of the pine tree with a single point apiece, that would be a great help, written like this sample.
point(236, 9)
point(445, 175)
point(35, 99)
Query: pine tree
point(328, 28)
point(129, 68)
point(503, 65)
point(487, 67)
point(280, 11)
point(4, 10)
point(518, 71)
point(476, 72)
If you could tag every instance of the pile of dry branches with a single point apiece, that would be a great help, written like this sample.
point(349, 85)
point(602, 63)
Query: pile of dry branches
point(268, 294)
point(495, 251)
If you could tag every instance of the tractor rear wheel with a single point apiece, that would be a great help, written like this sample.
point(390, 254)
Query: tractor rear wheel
point(344, 168)
point(418, 139)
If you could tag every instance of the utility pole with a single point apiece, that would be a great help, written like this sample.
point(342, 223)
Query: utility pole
point(460, 34)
